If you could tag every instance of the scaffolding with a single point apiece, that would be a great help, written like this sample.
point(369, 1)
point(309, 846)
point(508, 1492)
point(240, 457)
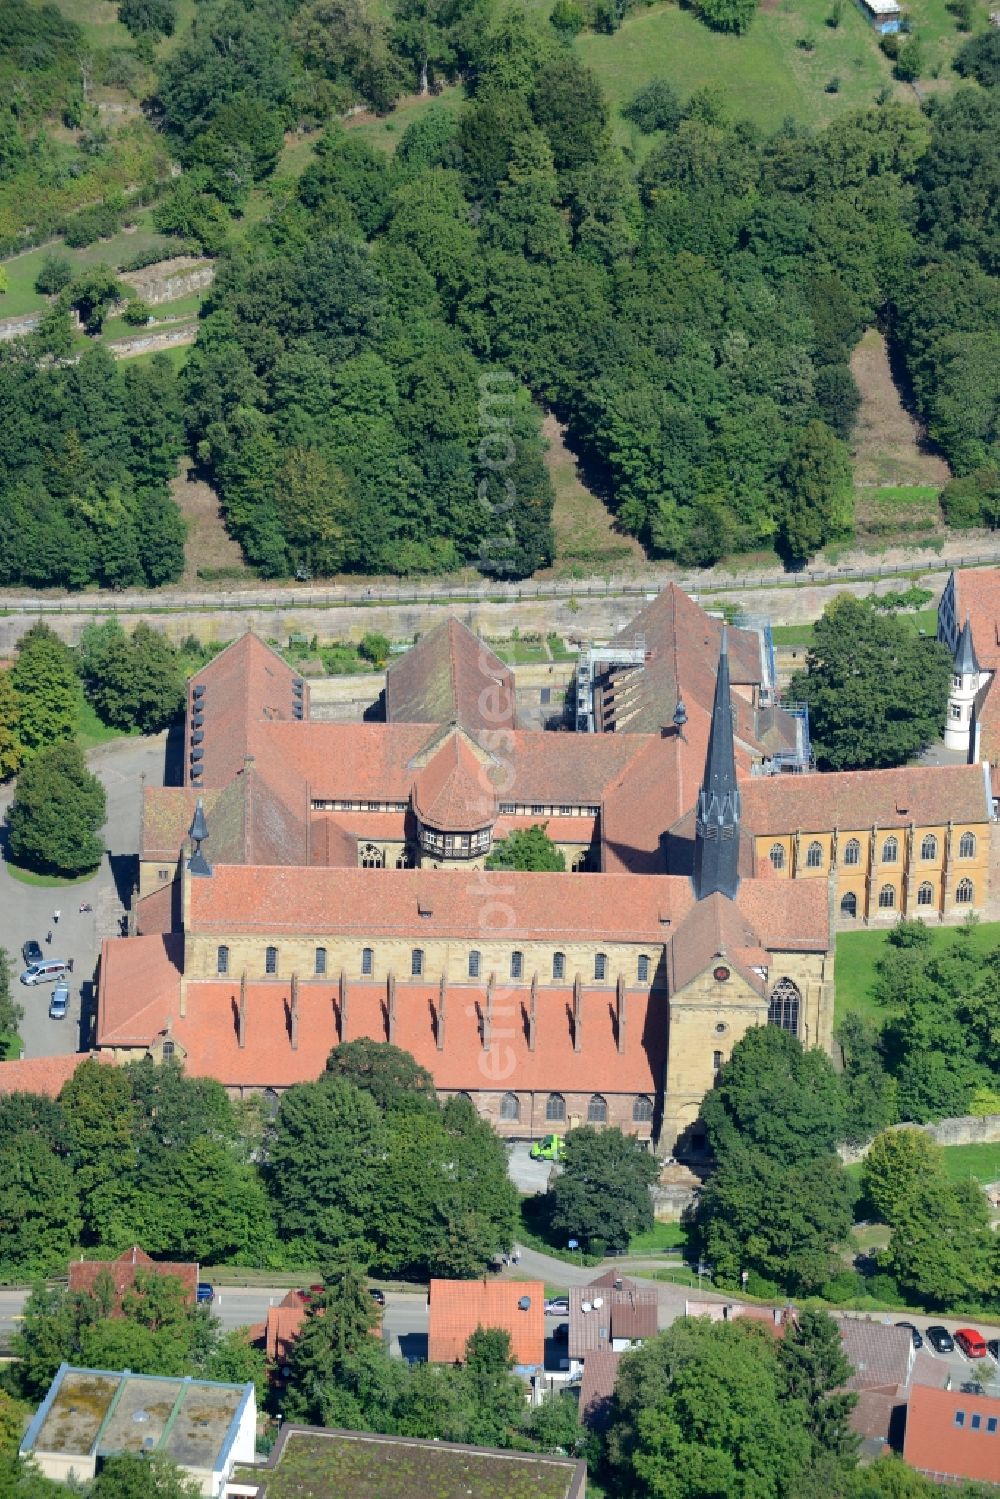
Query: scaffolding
point(591, 658)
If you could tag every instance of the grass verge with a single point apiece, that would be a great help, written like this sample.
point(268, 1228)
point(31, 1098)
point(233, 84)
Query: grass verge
point(47, 881)
point(859, 952)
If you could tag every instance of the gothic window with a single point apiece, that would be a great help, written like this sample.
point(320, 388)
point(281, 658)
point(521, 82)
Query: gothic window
point(642, 1110)
point(555, 1108)
point(716, 1061)
point(600, 967)
point(777, 856)
point(510, 1108)
point(417, 962)
point(849, 904)
point(597, 1110)
point(642, 969)
point(928, 848)
point(321, 960)
point(516, 964)
point(852, 851)
point(966, 893)
point(271, 960)
point(783, 1009)
point(814, 856)
point(404, 859)
point(222, 960)
point(367, 961)
point(925, 894)
point(371, 857)
point(168, 1050)
point(887, 898)
point(967, 846)
point(474, 964)
point(890, 851)
point(558, 965)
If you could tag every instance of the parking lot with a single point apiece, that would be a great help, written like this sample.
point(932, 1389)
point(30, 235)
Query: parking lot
point(27, 911)
point(526, 1174)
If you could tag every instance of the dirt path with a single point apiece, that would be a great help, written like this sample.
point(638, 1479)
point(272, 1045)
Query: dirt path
point(209, 545)
point(889, 445)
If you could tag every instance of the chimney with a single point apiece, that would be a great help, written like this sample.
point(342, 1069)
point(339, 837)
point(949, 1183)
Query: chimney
point(391, 995)
point(442, 991)
point(577, 1014)
point(242, 1024)
point(295, 1012)
point(621, 1013)
point(533, 1012)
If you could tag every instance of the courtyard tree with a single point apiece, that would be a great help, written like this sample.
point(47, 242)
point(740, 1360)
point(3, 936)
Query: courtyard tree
point(11, 1013)
point(526, 848)
point(601, 1196)
point(56, 813)
point(876, 689)
point(818, 484)
point(11, 748)
point(45, 681)
point(135, 1476)
point(813, 1371)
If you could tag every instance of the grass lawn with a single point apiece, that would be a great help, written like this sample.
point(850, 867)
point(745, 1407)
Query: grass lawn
point(661, 1237)
point(384, 132)
point(177, 356)
point(858, 953)
point(47, 881)
point(90, 730)
point(979, 1161)
point(98, 19)
point(21, 295)
point(792, 634)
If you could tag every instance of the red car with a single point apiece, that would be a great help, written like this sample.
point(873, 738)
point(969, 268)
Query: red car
point(971, 1342)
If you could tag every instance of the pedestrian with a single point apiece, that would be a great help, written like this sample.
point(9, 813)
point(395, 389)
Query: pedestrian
point(69, 964)
point(55, 917)
point(516, 1255)
point(48, 936)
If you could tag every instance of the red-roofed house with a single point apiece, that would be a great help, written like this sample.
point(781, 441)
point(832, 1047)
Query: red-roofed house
point(951, 1436)
point(459, 1307)
point(84, 1273)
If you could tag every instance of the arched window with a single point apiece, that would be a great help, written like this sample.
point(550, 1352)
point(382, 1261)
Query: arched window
point(890, 850)
point(852, 851)
point(642, 969)
point(558, 965)
point(367, 960)
point(814, 855)
point(928, 848)
point(925, 894)
point(642, 1110)
point(271, 960)
point(967, 846)
point(887, 898)
point(516, 964)
point(474, 964)
point(371, 857)
point(849, 904)
point(597, 1110)
point(167, 1051)
point(555, 1108)
point(600, 967)
point(510, 1107)
point(416, 962)
point(966, 893)
point(404, 859)
point(320, 964)
point(777, 856)
point(222, 960)
point(783, 1009)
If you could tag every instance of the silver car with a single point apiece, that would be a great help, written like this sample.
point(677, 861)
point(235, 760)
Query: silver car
point(59, 1001)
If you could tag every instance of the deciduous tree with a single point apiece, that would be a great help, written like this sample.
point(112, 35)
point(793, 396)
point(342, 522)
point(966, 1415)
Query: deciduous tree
point(601, 1196)
point(56, 813)
point(526, 849)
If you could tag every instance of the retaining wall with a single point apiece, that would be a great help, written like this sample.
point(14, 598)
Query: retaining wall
point(967, 1130)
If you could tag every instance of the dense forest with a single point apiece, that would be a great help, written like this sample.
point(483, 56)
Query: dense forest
point(367, 385)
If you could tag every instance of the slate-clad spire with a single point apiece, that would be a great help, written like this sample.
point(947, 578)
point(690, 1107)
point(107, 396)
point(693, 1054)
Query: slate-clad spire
point(966, 664)
point(717, 828)
point(198, 832)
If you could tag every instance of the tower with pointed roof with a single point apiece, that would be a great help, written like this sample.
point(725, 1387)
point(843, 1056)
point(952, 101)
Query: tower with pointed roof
point(717, 823)
point(960, 727)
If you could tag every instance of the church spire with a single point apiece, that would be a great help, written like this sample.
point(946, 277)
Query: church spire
point(966, 664)
point(717, 826)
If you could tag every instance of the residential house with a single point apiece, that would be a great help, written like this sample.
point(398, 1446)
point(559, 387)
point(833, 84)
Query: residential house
point(459, 1307)
point(83, 1274)
point(610, 1314)
point(952, 1436)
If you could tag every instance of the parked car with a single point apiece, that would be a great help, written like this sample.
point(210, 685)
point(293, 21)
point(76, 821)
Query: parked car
point(914, 1332)
point(205, 1293)
point(45, 972)
point(59, 1001)
point(940, 1339)
point(31, 952)
point(993, 1349)
point(971, 1342)
point(548, 1148)
point(376, 1295)
point(558, 1306)
point(309, 1293)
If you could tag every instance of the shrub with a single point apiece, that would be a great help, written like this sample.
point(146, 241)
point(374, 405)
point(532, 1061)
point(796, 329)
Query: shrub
point(91, 224)
point(55, 272)
point(137, 313)
point(980, 57)
point(153, 254)
point(654, 107)
point(909, 61)
point(833, 85)
point(567, 18)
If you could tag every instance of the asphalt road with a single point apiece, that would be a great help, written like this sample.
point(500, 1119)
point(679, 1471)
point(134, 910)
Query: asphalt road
point(26, 911)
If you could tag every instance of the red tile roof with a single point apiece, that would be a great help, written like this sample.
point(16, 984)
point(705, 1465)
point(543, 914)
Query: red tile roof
point(453, 792)
point(46, 1075)
point(600, 1374)
point(936, 1445)
point(880, 1356)
point(927, 795)
point(284, 1323)
point(977, 594)
point(83, 1273)
point(458, 1307)
point(450, 676)
point(138, 988)
point(715, 928)
point(244, 684)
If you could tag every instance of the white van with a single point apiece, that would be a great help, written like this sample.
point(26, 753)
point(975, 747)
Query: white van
point(45, 972)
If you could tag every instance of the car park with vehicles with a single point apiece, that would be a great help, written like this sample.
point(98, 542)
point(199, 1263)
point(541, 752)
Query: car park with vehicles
point(548, 1148)
point(940, 1339)
point(31, 952)
point(915, 1333)
point(971, 1342)
point(59, 1001)
point(45, 972)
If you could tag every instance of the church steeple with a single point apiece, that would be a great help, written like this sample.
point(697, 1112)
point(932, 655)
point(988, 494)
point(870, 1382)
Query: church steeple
point(717, 825)
point(966, 664)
